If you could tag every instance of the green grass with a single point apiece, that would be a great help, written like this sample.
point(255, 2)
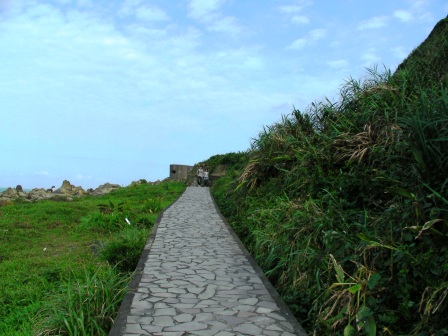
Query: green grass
point(51, 250)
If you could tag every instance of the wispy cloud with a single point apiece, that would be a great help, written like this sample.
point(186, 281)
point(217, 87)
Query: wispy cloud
point(300, 19)
point(128, 7)
point(151, 13)
point(201, 9)
point(297, 7)
point(373, 23)
point(400, 53)
point(290, 9)
point(403, 15)
point(294, 12)
point(298, 44)
point(82, 177)
point(370, 57)
point(227, 24)
point(42, 173)
point(317, 34)
point(311, 37)
point(208, 13)
point(143, 12)
point(85, 3)
point(338, 64)
point(418, 11)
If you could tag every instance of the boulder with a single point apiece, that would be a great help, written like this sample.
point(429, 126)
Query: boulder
point(105, 188)
point(12, 194)
point(38, 194)
point(69, 189)
point(139, 182)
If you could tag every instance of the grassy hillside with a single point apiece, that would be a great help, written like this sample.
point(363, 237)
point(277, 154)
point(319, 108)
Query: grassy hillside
point(345, 205)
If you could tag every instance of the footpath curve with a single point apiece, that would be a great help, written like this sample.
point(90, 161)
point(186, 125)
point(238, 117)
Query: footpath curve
point(196, 278)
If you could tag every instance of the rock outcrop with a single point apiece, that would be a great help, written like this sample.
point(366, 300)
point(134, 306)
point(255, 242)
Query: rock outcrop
point(66, 192)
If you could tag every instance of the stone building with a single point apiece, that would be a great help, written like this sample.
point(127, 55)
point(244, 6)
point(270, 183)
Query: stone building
point(179, 172)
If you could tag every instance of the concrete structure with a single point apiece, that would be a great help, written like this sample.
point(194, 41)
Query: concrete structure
point(179, 172)
point(195, 277)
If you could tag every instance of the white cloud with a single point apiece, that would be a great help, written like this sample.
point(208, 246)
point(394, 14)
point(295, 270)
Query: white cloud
point(151, 13)
point(293, 9)
point(312, 36)
point(85, 3)
point(374, 23)
point(82, 177)
point(335, 44)
point(207, 12)
point(403, 15)
point(400, 53)
point(298, 44)
point(117, 41)
point(370, 57)
point(290, 9)
point(200, 9)
point(300, 19)
point(225, 25)
point(42, 173)
point(317, 34)
point(419, 4)
point(338, 64)
point(129, 6)
point(143, 12)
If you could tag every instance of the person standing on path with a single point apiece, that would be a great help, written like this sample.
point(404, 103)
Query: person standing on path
point(206, 178)
point(200, 175)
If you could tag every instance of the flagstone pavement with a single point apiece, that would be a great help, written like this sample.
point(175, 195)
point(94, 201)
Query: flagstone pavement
point(196, 278)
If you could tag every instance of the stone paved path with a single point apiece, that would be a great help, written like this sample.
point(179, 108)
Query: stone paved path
point(196, 278)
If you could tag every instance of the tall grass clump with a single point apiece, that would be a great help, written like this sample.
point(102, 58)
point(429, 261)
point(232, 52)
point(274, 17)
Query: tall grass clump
point(84, 304)
point(345, 205)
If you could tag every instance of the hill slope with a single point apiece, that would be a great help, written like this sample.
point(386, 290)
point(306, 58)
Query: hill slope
point(345, 206)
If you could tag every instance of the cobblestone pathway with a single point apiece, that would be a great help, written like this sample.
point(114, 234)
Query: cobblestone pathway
point(196, 278)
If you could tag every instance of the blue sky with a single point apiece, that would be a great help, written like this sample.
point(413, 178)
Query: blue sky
point(97, 91)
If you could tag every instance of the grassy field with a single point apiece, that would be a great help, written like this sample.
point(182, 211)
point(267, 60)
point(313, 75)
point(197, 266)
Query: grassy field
point(65, 265)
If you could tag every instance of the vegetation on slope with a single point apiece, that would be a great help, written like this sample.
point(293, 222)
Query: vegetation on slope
point(345, 206)
point(65, 266)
